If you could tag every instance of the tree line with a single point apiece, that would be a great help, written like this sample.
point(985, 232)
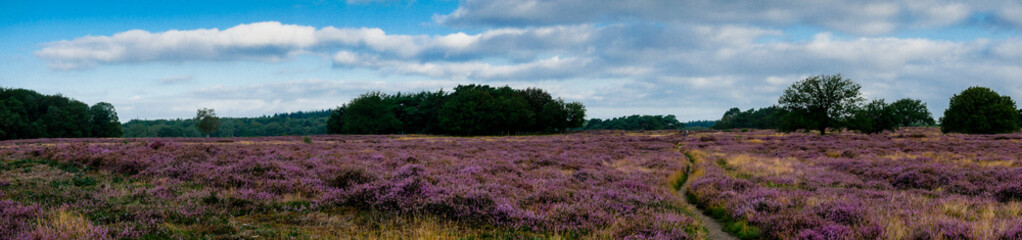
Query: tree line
point(283, 124)
point(635, 122)
point(833, 102)
point(468, 110)
point(29, 114)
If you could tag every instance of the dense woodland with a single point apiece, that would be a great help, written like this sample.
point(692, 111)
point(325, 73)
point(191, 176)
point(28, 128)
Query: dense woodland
point(469, 110)
point(635, 122)
point(284, 124)
point(29, 114)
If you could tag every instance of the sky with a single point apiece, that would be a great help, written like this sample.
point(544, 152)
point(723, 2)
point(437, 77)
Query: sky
point(693, 59)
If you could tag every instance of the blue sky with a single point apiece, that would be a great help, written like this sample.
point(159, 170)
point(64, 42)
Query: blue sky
point(693, 59)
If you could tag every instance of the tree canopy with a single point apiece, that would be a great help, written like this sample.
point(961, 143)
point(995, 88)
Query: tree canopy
point(281, 124)
point(763, 118)
point(912, 112)
point(980, 110)
point(468, 110)
point(636, 122)
point(104, 120)
point(875, 117)
point(206, 121)
point(824, 99)
point(28, 114)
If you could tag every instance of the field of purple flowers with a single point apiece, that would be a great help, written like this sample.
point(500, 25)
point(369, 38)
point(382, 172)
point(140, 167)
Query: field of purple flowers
point(911, 184)
point(591, 186)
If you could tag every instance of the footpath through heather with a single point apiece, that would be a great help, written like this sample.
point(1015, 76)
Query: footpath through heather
point(714, 230)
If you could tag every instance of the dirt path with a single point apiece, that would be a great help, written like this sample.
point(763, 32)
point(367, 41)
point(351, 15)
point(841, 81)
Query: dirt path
point(714, 230)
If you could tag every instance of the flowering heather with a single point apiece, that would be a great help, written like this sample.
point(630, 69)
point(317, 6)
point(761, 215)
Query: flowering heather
point(911, 184)
point(595, 185)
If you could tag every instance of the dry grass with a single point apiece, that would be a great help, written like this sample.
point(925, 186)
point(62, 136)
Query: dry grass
point(64, 224)
point(761, 166)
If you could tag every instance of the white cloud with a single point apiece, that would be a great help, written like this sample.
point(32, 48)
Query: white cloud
point(256, 41)
point(856, 17)
point(697, 58)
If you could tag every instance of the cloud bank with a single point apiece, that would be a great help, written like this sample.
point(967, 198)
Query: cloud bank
point(687, 57)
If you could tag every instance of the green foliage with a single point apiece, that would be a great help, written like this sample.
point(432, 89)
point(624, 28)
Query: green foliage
point(207, 121)
point(27, 114)
point(874, 117)
point(700, 124)
point(371, 113)
point(763, 118)
point(636, 122)
point(469, 110)
point(979, 110)
point(912, 112)
point(104, 120)
point(283, 124)
point(822, 101)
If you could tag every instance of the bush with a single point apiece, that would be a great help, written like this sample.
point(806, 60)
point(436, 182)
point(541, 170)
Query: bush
point(350, 177)
point(979, 110)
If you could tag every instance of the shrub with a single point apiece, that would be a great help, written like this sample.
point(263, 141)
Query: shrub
point(350, 177)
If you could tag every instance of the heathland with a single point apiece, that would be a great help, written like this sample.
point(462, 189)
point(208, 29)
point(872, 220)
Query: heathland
point(916, 183)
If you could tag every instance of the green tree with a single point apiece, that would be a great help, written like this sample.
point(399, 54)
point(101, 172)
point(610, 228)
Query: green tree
point(874, 117)
point(104, 120)
point(370, 113)
point(979, 110)
point(825, 99)
point(636, 122)
point(206, 121)
point(469, 111)
point(335, 125)
point(577, 114)
point(912, 112)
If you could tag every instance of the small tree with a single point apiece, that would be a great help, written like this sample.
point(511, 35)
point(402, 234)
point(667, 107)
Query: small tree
point(206, 121)
point(825, 99)
point(911, 112)
point(874, 117)
point(980, 110)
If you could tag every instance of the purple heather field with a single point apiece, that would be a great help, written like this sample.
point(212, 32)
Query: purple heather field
point(590, 185)
point(912, 184)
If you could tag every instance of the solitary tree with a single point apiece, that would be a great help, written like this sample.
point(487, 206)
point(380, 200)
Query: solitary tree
point(980, 110)
point(825, 99)
point(911, 112)
point(207, 121)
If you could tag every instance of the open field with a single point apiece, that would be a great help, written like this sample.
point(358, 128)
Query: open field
point(578, 186)
point(912, 184)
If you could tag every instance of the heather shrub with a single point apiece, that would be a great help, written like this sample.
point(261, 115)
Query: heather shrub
point(348, 177)
point(952, 230)
point(1013, 232)
point(1010, 191)
point(828, 232)
point(16, 219)
point(847, 213)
